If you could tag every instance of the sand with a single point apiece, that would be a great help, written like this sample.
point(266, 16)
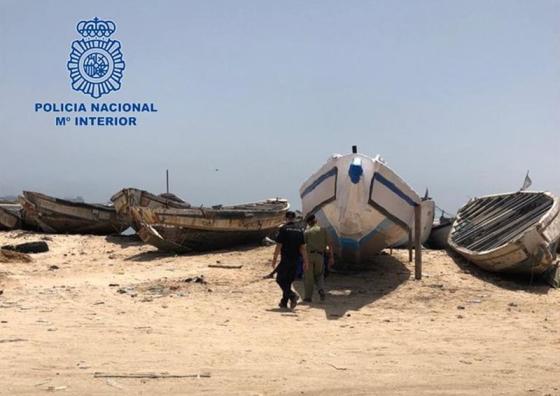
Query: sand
point(114, 305)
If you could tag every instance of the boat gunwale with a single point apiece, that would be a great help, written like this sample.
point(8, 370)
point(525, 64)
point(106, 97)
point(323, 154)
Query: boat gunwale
point(64, 202)
point(540, 226)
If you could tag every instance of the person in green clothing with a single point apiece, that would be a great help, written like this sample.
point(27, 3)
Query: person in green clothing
point(317, 245)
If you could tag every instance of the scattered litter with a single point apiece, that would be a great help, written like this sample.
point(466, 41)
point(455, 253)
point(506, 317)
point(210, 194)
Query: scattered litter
point(113, 284)
point(196, 279)
point(53, 267)
point(460, 307)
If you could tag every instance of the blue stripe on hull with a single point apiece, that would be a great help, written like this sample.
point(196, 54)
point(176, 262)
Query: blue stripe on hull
point(318, 181)
point(391, 186)
point(352, 250)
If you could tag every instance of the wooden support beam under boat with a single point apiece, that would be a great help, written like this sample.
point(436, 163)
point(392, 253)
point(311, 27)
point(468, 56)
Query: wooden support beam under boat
point(410, 245)
point(417, 242)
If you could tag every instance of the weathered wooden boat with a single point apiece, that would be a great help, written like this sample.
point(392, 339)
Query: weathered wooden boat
point(440, 233)
point(362, 203)
point(127, 198)
point(516, 232)
point(10, 216)
point(54, 215)
point(209, 228)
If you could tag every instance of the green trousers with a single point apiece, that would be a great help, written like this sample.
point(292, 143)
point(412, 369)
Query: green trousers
point(314, 274)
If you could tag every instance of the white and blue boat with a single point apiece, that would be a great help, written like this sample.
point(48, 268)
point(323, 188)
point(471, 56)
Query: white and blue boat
point(363, 204)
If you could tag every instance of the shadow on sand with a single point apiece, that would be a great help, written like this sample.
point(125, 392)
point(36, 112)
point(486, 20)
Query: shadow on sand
point(157, 254)
point(352, 290)
point(124, 240)
point(515, 282)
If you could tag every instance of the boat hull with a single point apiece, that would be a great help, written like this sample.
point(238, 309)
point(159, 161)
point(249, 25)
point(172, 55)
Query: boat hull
point(53, 215)
point(127, 198)
point(10, 216)
point(363, 205)
point(427, 221)
point(438, 236)
point(203, 229)
point(532, 250)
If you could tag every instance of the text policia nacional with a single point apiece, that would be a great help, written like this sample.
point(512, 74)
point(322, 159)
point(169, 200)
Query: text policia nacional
point(95, 114)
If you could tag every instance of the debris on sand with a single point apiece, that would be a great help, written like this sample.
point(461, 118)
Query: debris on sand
point(196, 279)
point(150, 375)
point(162, 287)
point(28, 247)
point(10, 256)
point(225, 266)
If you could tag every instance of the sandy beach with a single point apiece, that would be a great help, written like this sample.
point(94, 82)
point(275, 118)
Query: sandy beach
point(115, 306)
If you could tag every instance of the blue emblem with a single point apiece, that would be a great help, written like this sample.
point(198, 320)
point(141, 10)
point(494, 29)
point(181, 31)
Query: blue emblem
point(96, 62)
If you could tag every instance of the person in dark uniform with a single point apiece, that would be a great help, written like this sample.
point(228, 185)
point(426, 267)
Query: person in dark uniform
point(290, 245)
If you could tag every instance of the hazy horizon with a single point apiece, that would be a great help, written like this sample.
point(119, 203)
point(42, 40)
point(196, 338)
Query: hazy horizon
point(458, 97)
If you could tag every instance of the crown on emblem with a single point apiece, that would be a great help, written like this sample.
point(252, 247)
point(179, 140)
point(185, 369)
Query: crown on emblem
point(96, 28)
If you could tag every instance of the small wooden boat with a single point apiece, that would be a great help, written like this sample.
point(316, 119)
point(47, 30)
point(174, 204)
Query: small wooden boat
point(440, 233)
point(10, 216)
point(515, 232)
point(209, 228)
point(54, 215)
point(127, 198)
point(363, 205)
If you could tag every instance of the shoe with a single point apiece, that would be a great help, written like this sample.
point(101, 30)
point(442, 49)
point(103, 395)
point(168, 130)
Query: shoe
point(282, 305)
point(293, 302)
point(322, 295)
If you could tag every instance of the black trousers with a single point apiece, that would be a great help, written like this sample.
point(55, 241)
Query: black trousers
point(285, 276)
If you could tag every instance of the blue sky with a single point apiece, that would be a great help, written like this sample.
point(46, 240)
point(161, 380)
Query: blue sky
point(459, 96)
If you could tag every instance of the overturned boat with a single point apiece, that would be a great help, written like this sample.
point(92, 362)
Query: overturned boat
point(10, 216)
point(209, 228)
point(362, 203)
point(515, 232)
point(127, 198)
point(60, 216)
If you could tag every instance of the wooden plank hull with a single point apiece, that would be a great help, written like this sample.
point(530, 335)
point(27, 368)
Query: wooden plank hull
point(203, 229)
point(516, 233)
point(59, 216)
point(10, 216)
point(128, 198)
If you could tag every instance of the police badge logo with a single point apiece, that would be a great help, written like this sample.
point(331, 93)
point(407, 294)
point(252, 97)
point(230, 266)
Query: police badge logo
point(96, 62)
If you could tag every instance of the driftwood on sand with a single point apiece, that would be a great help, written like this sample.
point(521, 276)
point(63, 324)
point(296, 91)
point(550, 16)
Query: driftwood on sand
point(149, 375)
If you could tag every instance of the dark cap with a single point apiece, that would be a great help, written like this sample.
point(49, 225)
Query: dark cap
point(310, 218)
point(290, 215)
